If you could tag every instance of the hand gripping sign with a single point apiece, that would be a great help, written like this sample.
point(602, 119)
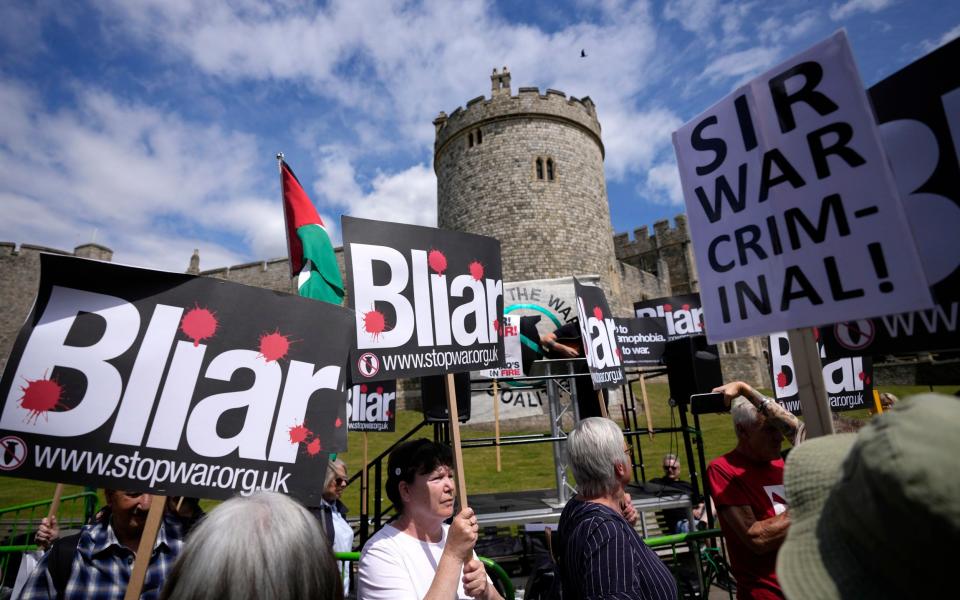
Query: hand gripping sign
point(135, 379)
point(793, 212)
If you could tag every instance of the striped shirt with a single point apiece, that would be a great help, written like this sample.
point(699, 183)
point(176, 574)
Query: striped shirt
point(601, 556)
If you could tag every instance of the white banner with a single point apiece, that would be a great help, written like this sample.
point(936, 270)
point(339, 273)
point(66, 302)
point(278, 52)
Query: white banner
point(793, 211)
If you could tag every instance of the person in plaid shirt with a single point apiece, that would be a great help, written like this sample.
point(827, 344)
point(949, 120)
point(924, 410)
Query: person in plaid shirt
point(105, 553)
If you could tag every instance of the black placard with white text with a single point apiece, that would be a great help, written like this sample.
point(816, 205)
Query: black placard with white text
point(428, 301)
point(599, 336)
point(641, 340)
point(174, 384)
point(793, 212)
point(848, 381)
point(683, 315)
point(372, 407)
point(918, 109)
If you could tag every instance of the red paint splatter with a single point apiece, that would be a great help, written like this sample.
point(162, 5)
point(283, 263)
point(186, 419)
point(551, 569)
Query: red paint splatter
point(816, 333)
point(374, 323)
point(389, 414)
point(667, 308)
point(274, 346)
point(437, 261)
point(379, 389)
point(598, 313)
point(496, 325)
point(861, 375)
point(476, 270)
point(40, 396)
point(199, 324)
point(685, 307)
point(299, 434)
point(781, 379)
point(363, 388)
point(866, 380)
point(313, 448)
point(619, 356)
point(338, 423)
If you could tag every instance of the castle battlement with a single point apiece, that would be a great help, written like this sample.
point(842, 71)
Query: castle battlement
point(643, 241)
point(502, 105)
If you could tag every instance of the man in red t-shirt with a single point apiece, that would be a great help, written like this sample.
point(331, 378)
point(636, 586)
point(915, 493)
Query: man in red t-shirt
point(747, 487)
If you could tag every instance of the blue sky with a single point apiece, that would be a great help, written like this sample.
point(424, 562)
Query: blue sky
point(151, 126)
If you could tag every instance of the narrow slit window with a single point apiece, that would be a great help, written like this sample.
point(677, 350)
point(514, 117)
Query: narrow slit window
point(539, 168)
point(470, 137)
point(550, 169)
point(479, 137)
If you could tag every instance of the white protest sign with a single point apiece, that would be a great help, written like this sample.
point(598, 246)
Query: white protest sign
point(793, 211)
point(512, 359)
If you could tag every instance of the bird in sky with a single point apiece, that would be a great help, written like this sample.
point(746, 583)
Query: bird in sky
point(583, 53)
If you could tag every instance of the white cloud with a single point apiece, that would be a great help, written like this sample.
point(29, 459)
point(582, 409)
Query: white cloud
point(838, 12)
point(741, 65)
point(931, 45)
point(662, 185)
point(632, 140)
point(138, 175)
point(696, 16)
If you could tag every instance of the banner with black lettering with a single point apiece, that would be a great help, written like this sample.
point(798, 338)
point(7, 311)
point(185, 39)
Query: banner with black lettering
point(683, 314)
point(169, 383)
point(918, 109)
point(428, 301)
point(599, 337)
point(794, 216)
point(641, 340)
point(372, 407)
point(848, 381)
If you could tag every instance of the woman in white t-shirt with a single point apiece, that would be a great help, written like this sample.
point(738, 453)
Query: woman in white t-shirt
point(418, 556)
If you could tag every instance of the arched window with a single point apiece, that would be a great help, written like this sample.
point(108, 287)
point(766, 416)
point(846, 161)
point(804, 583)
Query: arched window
point(470, 137)
point(550, 169)
point(479, 137)
point(539, 168)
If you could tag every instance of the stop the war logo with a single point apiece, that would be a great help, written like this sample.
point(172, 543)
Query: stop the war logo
point(427, 301)
point(599, 337)
point(793, 212)
point(137, 379)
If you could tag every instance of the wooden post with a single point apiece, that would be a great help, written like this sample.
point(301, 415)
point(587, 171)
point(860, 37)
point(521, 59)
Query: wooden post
point(147, 539)
point(810, 386)
point(603, 405)
point(55, 502)
point(646, 405)
point(496, 420)
point(364, 490)
point(876, 402)
point(455, 439)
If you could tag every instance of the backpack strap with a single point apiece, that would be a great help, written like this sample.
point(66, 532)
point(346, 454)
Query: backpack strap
point(60, 561)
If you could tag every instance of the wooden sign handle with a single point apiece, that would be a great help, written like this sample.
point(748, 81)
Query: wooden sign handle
point(147, 539)
point(646, 405)
point(496, 421)
point(603, 405)
point(55, 502)
point(455, 440)
point(810, 387)
point(363, 477)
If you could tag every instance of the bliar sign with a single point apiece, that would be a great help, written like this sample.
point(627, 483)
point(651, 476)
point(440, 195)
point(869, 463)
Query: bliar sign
point(599, 332)
point(793, 212)
point(136, 379)
point(427, 301)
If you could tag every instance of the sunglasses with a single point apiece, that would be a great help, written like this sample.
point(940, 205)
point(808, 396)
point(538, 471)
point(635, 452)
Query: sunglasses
point(340, 481)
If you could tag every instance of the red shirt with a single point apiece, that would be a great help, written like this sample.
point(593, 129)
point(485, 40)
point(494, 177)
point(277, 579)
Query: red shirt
point(736, 480)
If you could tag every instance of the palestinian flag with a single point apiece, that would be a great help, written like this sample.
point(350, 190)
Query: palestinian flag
point(312, 260)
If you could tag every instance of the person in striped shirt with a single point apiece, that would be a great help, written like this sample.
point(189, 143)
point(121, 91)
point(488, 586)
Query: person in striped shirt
point(599, 553)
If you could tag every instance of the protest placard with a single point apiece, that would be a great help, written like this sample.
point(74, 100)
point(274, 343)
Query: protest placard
point(142, 380)
point(641, 340)
point(512, 351)
point(793, 213)
point(372, 407)
point(848, 381)
point(682, 314)
point(599, 337)
point(918, 109)
point(427, 301)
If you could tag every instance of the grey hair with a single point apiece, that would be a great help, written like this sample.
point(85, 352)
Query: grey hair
point(594, 446)
point(331, 473)
point(262, 546)
point(670, 458)
point(744, 413)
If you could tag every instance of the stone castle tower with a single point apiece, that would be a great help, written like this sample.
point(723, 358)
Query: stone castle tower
point(527, 169)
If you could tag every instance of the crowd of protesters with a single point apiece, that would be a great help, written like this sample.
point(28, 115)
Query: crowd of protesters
point(833, 521)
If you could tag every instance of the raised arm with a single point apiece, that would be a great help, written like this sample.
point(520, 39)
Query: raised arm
point(785, 421)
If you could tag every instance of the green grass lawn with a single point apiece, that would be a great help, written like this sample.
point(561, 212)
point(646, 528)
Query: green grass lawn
point(525, 467)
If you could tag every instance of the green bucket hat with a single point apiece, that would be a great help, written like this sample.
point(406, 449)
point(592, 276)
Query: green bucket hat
point(876, 514)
